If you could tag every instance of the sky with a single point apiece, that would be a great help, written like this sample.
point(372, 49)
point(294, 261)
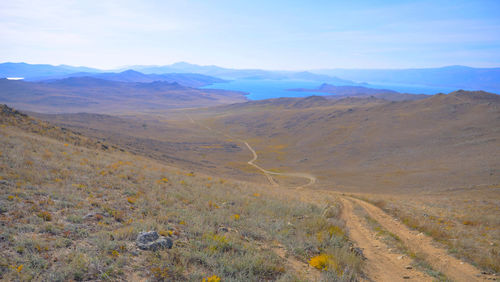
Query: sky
point(279, 34)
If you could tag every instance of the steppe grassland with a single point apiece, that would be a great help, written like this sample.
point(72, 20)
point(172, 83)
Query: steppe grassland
point(70, 212)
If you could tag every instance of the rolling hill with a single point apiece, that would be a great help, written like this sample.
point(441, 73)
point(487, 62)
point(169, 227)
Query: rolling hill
point(357, 144)
point(368, 144)
point(361, 91)
point(430, 163)
point(187, 79)
point(72, 207)
point(88, 94)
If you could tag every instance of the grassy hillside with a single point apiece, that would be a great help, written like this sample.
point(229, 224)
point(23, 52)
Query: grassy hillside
point(172, 140)
point(71, 209)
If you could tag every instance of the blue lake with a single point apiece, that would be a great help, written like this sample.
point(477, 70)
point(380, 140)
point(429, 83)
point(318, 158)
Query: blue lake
point(259, 89)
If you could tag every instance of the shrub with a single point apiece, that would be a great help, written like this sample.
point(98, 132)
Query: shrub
point(213, 278)
point(45, 215)
point(320, 262)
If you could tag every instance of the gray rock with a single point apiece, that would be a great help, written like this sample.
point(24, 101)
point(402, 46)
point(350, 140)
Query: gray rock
point(147, 237)
point(151, 241)
point(222, 229)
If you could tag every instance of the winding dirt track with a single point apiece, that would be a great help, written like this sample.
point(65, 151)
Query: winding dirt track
point(267, 173)
point(381, 263)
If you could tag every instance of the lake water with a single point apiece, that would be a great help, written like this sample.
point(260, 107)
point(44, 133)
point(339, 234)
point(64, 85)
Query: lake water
point(259, 89)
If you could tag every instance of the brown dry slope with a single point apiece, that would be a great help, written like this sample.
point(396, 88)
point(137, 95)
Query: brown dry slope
point(435, 144)
point(382, 264)
point(73, 213)
point(368, 145)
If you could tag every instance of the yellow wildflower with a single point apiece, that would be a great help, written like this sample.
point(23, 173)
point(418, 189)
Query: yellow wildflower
point(213, 278)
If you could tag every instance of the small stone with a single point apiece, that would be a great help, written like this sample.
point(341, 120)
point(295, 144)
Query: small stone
point(222, 229)
point(401, 257)
point(151, 241)
point(147, 237)
point(162, 243)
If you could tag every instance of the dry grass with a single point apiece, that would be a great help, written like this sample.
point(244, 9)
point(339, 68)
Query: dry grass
point(467, 222)
point(72, 213)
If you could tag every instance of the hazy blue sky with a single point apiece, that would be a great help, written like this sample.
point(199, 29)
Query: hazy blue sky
point(252, 33)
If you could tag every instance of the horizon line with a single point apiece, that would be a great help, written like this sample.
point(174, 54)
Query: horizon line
point(130, 67)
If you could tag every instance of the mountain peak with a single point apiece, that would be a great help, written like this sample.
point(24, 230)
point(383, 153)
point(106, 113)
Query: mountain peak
point(479, 96)
point(184, 64)
point(131, 71)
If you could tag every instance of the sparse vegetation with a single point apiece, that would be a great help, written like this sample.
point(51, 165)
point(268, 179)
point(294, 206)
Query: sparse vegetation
point(73, 213)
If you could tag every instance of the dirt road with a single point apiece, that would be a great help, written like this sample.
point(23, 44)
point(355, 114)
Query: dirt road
point(417, 242)
point(267, 173)
point(382, 264)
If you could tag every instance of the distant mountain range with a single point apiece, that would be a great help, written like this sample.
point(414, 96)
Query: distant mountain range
point(186, 79)
point(454, 77)
point(177, 72)
point(226, 73)
point(29, 71)
point(459, 77)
